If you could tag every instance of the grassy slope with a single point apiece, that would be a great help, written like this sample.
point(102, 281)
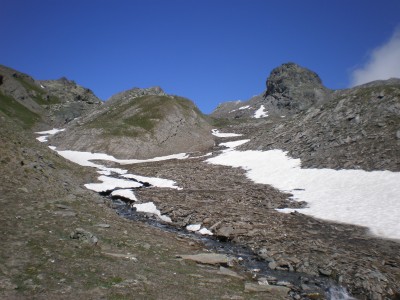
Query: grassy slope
point(140, 115)
point(15, 110)
point(39, 260)
point(38, 94)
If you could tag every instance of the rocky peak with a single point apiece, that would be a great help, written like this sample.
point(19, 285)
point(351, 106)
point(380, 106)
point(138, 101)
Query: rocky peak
point(135, 93)
point(290, 90)
point(293, 88)
point(290, 76)
point(65, 81)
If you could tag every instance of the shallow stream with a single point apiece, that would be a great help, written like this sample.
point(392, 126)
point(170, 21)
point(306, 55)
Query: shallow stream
point(303, 286)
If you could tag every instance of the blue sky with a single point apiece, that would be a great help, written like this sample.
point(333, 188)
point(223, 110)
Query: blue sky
point(208, 51)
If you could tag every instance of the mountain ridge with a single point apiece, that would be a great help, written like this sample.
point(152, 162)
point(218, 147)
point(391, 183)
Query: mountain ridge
point(357, 128)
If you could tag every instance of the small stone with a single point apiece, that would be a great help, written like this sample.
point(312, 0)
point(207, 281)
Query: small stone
point(284, 283)
point(263, 281)
point(103, 225)
point(277, 292)
point(208, 258)
point(62, 206)
point(227, 272)
point(121, 255)
point(325, 272)
point(272, 265)
point(23, 189)
point(83, 235)
point(65, 213)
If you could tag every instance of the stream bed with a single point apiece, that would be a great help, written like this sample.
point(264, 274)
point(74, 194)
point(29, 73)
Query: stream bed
point(303, 286)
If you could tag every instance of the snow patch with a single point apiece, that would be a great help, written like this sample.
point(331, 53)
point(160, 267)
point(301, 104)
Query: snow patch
point(205, 231)
point(111, 183)
point(233, 145)
point(125, 193)
point(261, 112)
point(84, 158)
point(357, 197)
point(47, 133)
point(197, 228)
point(154, 181)
point(216, 133)
point(150, 208)
point(241, 108)
point(193, 227)
point(42, 138)
point(51, 132)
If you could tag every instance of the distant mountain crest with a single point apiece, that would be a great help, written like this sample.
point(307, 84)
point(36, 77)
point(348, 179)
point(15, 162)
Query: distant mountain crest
point(43, 103)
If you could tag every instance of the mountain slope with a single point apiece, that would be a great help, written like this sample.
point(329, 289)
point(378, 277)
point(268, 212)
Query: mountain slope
point(43, 203)
point(353, 128)
point(140, 123)
point(41, 104)
point(359, 128)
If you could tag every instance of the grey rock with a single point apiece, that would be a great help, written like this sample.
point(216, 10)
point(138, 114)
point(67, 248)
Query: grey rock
point(62, 206)
point(84, 236)
point(272, 265)
point(225, 231)
point(65, 213)
point(103, 225)
point(208, 258)
point(278, 292)
point(228, 272)
point(23, 189)
point(325, 272)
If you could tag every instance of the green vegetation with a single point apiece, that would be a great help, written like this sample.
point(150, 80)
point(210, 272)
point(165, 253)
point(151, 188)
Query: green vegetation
point(140, 115)
point(15, 110)
point(38, 93)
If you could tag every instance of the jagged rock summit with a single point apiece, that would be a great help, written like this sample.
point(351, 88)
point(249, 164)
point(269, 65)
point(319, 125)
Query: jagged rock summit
point(290, 89)
point(140, 123)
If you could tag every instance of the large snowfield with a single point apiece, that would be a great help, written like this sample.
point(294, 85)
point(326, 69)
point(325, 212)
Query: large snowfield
point(370, 199)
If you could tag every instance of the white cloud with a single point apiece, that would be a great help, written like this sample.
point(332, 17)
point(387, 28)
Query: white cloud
point(383, 63)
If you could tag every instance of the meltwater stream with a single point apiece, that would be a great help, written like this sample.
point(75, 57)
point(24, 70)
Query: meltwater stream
point(247, 261)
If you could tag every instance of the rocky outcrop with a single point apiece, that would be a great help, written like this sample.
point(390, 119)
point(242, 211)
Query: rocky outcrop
point(140, 123)
point(290, 89)
point(73, 100)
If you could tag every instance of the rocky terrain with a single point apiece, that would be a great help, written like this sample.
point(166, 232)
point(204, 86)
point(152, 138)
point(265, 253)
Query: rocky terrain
point(356, 128)
point(41, 104)
point(140, 123)
point(62, 240)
